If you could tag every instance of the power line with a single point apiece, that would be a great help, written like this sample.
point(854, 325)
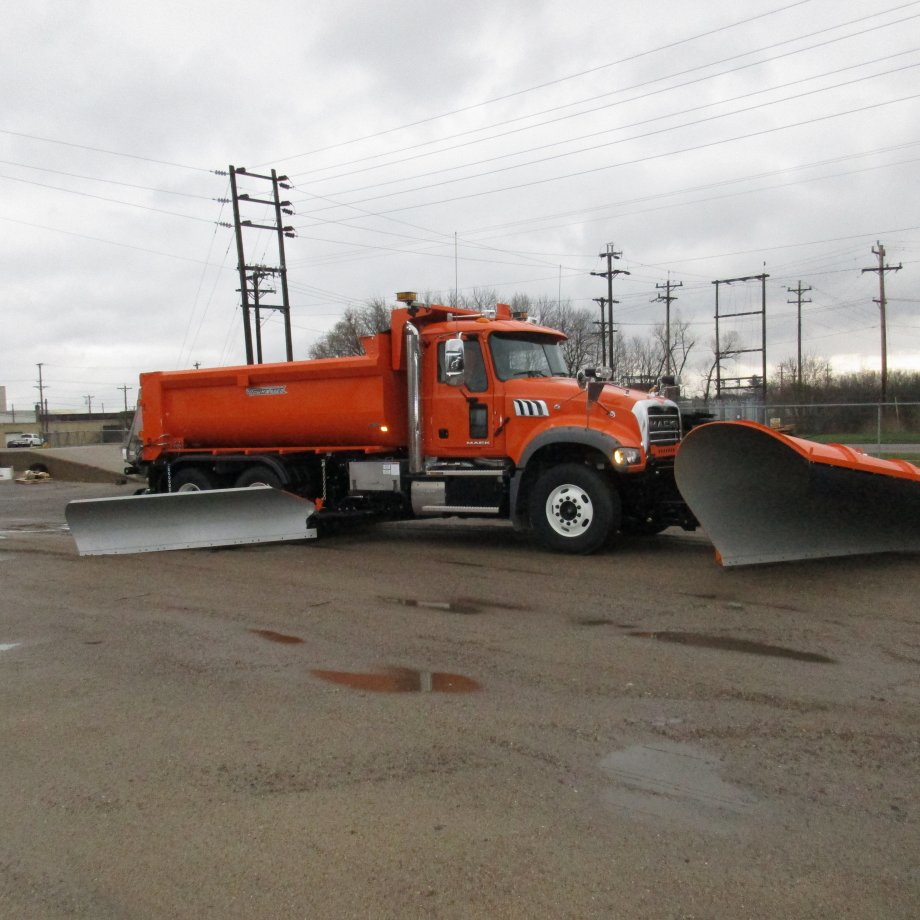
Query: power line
point(142, 188)
point(555, 82)
point(611, 143)
point(116, 153)
point(127, 204)
point(639, 98)
point(707, 186)
point(469, 242)
point(99, 239)
point(638, 160)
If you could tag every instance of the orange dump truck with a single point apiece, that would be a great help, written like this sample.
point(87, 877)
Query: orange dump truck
point(448, 413)
point(452, 413)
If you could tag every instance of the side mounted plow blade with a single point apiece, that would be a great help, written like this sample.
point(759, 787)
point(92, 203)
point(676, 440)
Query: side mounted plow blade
point(188, 520)
point(762, 496)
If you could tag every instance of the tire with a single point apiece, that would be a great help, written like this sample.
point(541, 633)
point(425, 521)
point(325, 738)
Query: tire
point(258, 476)
point(574, 509)
point(191, 479)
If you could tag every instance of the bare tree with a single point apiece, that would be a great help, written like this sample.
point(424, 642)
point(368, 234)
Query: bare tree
point(817, 377)
point(344, 338)
point(481, 299)
point(682, 342)
point(580, 347)
point(644, 361)
point(731, 348)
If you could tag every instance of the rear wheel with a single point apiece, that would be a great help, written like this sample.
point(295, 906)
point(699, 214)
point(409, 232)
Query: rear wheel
point(191, 480)
point(573, 509)
point(258, 476)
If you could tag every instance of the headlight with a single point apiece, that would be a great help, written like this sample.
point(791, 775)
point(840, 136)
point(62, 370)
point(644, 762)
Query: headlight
point(626, 456)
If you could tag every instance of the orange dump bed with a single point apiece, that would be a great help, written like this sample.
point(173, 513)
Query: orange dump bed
point(332, 402)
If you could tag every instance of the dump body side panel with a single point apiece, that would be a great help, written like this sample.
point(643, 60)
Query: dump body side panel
point(337, 402)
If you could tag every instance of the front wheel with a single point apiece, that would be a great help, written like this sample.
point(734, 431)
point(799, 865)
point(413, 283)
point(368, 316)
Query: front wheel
point(573, 509)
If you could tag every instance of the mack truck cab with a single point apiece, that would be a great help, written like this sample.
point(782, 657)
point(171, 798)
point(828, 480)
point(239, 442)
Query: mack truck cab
point(505, 430)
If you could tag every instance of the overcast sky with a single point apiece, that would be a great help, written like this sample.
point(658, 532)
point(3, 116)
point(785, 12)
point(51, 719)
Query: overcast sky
point(496, 144)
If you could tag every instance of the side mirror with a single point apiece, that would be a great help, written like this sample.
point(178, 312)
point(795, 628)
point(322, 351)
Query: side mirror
point(454, 362)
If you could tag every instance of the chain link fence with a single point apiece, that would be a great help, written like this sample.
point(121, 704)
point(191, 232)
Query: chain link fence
point(877, 428)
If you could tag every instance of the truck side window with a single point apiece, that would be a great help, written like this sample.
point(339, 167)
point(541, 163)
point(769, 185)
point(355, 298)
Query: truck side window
point(476, 379)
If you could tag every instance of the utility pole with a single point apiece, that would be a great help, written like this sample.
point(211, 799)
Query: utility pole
point(799, 291)
point(89, 402)
point(42, 419)
point(124, 389)
point(610, 255)
point(882, 303)
point(281, 231)
point(259, 273)
point(737, 383)
point(666, 299)
point(603, 324)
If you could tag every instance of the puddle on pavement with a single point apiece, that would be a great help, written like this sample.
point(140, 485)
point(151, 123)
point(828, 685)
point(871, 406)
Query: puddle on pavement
point(602, 621)
point(400, 680)
point(7, 646)
point(673, 781)
point(464, 605)
point(728, 644)
point(446, 606)
point(273, 636)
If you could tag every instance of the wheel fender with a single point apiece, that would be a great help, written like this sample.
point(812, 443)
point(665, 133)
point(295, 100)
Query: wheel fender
point(600, 441)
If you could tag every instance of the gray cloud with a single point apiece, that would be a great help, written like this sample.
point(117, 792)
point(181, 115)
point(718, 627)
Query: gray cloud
point(99, 290)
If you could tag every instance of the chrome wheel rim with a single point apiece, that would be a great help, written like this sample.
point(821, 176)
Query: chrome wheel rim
point(569, 510)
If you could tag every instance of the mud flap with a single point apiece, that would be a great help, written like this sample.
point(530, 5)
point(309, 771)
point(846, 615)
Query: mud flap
point(188, 520)
point(765, 497)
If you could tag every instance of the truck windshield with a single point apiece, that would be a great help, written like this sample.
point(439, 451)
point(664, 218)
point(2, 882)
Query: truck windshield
point(526, 356)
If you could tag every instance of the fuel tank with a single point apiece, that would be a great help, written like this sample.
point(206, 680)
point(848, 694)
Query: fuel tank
point(329, 402)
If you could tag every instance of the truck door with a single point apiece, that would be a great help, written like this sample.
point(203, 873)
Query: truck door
point(458, 420)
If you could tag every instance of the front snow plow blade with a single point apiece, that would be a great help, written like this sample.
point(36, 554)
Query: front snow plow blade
point(762, 496)
point(188, 520)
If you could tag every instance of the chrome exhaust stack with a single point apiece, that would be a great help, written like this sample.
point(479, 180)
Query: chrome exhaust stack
point(413, 362)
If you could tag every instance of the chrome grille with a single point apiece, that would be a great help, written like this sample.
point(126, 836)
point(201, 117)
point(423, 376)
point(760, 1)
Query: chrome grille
point(661, 424)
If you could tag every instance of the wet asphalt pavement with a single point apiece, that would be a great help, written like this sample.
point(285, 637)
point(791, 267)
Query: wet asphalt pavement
point(441, 720)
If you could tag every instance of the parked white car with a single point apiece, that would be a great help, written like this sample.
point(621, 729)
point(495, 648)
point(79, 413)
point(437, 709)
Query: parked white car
point(25, 440)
